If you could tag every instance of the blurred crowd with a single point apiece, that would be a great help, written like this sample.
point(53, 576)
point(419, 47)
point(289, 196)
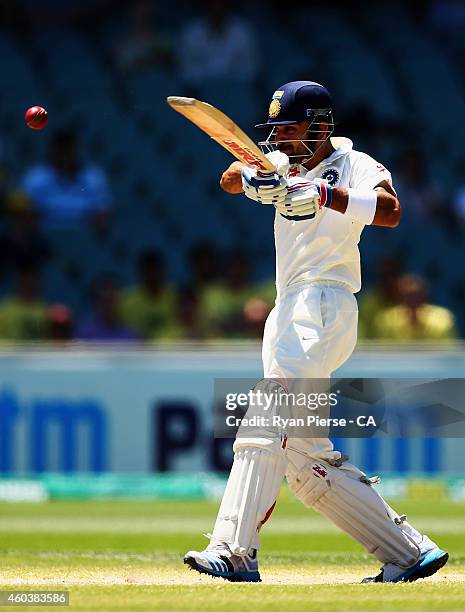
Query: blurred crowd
point(397, 309)
point(224, 305)
point(222, 298)
point(214, 305)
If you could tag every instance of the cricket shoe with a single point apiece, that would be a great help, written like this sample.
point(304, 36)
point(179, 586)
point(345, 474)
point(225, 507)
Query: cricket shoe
point(428, 564)
point(218, 560)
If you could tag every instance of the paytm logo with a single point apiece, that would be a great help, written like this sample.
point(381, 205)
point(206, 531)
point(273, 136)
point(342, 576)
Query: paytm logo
point(51, 434)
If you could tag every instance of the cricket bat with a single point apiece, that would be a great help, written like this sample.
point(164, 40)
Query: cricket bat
point(222, 129)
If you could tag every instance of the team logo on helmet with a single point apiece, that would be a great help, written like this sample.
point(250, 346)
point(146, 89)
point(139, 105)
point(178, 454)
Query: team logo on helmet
point(275, 108)
point(331, 175)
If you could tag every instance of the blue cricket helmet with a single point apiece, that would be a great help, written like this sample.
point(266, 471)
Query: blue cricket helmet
point(297, 101)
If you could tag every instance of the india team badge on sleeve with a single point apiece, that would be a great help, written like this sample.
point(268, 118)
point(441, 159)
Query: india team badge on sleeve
point(331, 175)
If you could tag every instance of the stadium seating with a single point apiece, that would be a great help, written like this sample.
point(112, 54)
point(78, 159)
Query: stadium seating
point(164, 172)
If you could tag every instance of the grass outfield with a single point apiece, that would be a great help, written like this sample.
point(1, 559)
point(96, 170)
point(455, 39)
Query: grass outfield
point(128, 555)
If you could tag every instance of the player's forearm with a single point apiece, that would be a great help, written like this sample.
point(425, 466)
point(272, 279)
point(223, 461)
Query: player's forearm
point(231, 179)
point(387, 212)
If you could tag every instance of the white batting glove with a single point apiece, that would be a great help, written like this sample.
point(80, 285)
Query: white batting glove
point(280, 161)
point(267, 188)
point(304, 199)
point(264, 188)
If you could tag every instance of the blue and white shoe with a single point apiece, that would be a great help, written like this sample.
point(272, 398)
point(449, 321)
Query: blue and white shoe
point(428, 564)
point(217, 560)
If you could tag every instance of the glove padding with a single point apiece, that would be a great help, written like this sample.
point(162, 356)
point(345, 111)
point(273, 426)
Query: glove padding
point(267, 188)
point(304, 199)
point(264, 189)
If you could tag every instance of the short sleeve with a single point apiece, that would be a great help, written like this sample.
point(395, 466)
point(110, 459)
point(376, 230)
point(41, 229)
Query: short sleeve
point(366, 172)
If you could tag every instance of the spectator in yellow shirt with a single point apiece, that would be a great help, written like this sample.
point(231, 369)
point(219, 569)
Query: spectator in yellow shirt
point(223, 302)
point(187, 323)
point(413, 318)
point(23, 316)
point(379, 297)
point(148, 308)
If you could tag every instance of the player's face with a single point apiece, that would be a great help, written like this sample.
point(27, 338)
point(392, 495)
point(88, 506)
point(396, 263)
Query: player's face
point(293, 133)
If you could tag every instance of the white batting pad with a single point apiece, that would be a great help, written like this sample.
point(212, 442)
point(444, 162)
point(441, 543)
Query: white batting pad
point(253, 486)
point(354, 506)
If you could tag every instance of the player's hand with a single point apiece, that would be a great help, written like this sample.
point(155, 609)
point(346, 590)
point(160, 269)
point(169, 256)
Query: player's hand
point(304, 199)
point(267, 188)
point(280, 161)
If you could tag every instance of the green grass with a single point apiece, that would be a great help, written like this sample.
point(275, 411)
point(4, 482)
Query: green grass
point(261, 597)
point(128, 555)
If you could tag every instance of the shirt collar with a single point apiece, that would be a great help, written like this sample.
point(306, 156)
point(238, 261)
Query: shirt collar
point(341, 146)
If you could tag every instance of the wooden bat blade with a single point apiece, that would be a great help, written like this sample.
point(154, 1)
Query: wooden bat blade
point(222, 129)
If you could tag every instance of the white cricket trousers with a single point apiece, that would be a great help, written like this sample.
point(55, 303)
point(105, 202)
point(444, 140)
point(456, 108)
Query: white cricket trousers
point(310, 333)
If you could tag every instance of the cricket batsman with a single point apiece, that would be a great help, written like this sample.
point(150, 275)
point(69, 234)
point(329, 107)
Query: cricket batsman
point(324, 193)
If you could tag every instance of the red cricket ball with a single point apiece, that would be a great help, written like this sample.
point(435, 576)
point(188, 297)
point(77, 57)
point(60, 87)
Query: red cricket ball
point(36, 117)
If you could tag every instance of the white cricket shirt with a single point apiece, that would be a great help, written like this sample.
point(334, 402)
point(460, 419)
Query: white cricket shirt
point(325, 248)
